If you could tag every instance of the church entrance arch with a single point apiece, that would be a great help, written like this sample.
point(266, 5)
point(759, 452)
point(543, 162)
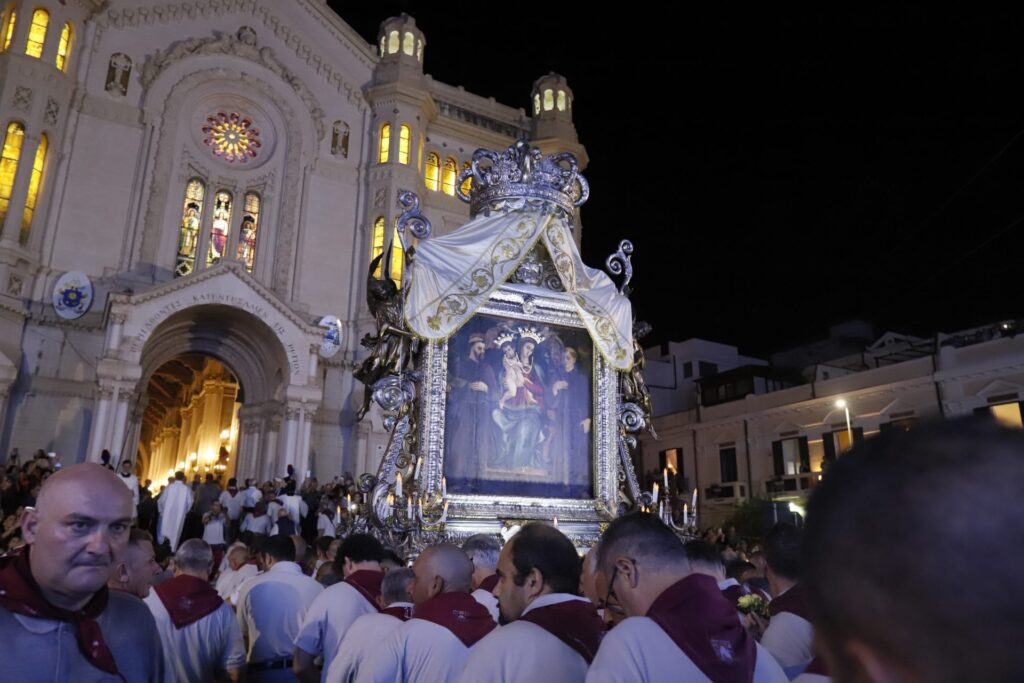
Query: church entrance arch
point(223, 323)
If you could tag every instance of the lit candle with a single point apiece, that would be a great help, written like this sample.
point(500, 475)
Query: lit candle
point(444, 487)
point(555, 521)
point(664, 474)
point(398, 485)
point(408, 508)
point(654, 493)
point(337, 516)
point(355, 507)
point(348, 500)
point(420, 504)
point(416, 474)
point(444, 512)
point(391, 501)
point(661, 509)
point(693, 504)
point(685, 515)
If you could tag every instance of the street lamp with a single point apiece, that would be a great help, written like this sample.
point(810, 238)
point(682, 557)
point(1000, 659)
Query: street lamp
point(841, 403)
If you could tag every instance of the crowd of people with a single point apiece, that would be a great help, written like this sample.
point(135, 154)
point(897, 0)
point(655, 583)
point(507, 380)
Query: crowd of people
point(902, 573)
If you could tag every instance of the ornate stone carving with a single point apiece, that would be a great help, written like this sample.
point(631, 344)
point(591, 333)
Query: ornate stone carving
point(14, 284)
point(22, 99)
point(52, 112)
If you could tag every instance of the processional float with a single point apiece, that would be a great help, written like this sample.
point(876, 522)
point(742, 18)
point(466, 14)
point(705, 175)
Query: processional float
point(508, 373)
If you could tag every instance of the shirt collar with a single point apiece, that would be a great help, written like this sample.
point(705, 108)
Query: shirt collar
point(552, 599)
point(722, 585)
point(287, 567)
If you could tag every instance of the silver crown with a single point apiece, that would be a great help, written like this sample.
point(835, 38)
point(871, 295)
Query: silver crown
point(521, 172)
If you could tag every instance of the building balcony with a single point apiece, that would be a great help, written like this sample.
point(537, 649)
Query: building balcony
point(791, 485)
point(730, 493)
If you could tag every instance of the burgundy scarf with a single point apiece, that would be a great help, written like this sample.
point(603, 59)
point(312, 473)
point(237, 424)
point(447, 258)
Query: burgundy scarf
point(791, 601)
point(574, 622)
point(367, 582)
point(402, 612)
point(489, 583)
point(19, 593)
point(702, 623)
point(734, 592)
point(460, 613)
point(187, 599)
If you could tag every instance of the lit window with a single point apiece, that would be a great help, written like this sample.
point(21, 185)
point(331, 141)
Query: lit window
point(397, 259)
point(385, 143)
point(232, 137)
point(408, 44)
point(33, 188)
point(549, 100)
point(247, 234)
point(561, 100)
point(536, 103)
point(37, 33)
point(393, 42)
point(377, 243)
point(63, 47)
point(448, 178)
point(383, 39)
point(9, 31)
point(467, 184)
point(9, 164)
point(404, 132)
point(191, 215)
point(1007, 415)
point(419, 50)
point(220, 228)
point(433, 172)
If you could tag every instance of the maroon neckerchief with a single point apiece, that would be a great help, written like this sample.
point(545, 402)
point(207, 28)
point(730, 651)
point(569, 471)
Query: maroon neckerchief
point(187, 599)
point(489, 583)
point(735, 592)
point(702, 623)
point(19, 593)
point(574, 622)
point(791, 601)
point(367, 582)
point(402, 612)
point(460, 613)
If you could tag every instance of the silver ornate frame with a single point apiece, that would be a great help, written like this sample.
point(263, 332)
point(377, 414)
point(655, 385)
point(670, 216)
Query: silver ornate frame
point(581, 519)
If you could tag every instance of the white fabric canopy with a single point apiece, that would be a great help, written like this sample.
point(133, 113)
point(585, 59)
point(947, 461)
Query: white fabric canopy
point(454, 275)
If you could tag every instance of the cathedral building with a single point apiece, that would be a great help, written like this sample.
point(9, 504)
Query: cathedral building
point(191, 194)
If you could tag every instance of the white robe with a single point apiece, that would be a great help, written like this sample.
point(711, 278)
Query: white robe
point(233, 504)
point(417, 651)
point(487, 599)
point(366, 633)
point(175, 502)
point(329, 619)
point(132, 482)
point(197, 651)
point(500, 657)
point(637, 650)
point(297, 508)
point(789, 639)
point(271, 607)
point(230, 579)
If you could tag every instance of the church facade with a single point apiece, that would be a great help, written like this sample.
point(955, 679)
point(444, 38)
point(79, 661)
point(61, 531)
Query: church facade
point(187, 190)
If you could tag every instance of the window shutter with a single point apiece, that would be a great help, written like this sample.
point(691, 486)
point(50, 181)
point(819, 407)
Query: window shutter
point(780, 468)
point(805, 455)
point(828, 440)
point(858, 435)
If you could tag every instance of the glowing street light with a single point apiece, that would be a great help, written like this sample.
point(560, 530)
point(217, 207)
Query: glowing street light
point(841, 403)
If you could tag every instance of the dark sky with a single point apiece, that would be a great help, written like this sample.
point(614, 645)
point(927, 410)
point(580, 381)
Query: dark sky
point(777, 173)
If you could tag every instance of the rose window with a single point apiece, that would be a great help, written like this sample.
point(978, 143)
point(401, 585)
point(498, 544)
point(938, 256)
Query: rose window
point(232, 137)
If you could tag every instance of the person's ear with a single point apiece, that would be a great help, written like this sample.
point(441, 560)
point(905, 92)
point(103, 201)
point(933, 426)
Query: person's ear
point(534, 583)
point(121, 573)
point(29, 524)
point(627, 570)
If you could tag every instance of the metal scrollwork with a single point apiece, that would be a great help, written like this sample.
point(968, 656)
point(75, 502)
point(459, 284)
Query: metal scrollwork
point(393, 393)
point(620, 262)
point(632, 417)
point(412, 219)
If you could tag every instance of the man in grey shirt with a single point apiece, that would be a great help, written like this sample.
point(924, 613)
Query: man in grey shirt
point(58, 620)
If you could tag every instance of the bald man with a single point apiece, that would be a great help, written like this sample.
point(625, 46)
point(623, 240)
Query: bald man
point(447, 623)
point(55, 609)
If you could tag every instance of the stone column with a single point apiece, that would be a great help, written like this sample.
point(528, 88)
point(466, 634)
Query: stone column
point(99, 432)
point(113, 341)
point(289, 440)
point(302, 455)
point(268, 456)
point(116, 442)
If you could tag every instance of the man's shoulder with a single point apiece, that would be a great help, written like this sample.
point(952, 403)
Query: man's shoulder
point(635, 630)
point(124, 608)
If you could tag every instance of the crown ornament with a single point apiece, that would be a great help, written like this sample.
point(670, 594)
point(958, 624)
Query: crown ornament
point(505, 338)
point(522, 174)
point(531, 333)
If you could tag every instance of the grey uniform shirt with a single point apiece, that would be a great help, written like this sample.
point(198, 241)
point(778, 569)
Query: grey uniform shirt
point(44, 650)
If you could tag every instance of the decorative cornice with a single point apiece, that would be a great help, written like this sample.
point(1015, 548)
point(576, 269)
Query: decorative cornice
point(198, 9)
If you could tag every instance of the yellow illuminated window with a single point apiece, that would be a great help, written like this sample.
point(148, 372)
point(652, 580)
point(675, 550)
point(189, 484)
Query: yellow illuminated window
point(393, 42)
point(561, 100)
point(448, 178)
point(33, 188)
point(536, 103)
point(221, 227)
point(419, 50)
point(377, 243)
point(467, 184)
point(383, 39)
point(433, 172)
point(247, 234)
point(188, 238)
point(9, 164)
point(1007, 415)
point(63, 47)
point(408, 43)
point(37, 33)
point(9, 31)
point(397, 259)
point(385, 143)
point(403, 144)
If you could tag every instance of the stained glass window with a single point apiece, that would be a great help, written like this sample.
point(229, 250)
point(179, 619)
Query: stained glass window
point(220, 228)
point(37, 33)
point(397, 259)
point(408, 43)
point(247, 234)
point(377, 243)
point(549, 100)
point(561, 100)
point(393, 42)
point(232, 137)
point(433, 175)
point(9, 32)
point(33, 188)
point(385, 144)
point(9, 164)
point(448, 178)
point(63, 47)
point(403, 144)
point(188, 238)
point(467, 184)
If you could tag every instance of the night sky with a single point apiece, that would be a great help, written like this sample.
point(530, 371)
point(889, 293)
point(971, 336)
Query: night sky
point(776, 173)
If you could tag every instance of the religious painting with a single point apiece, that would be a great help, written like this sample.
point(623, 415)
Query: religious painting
point(519, 409)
